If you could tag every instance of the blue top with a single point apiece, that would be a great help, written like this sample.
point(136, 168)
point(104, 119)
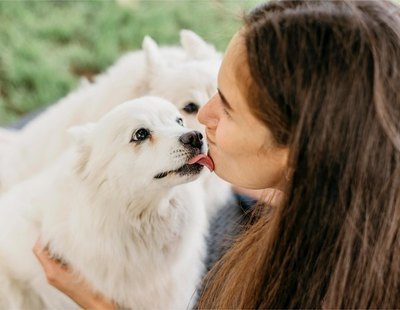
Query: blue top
point(226, 226)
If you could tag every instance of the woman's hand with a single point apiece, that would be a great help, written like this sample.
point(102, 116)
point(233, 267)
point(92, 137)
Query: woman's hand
point(61, 277)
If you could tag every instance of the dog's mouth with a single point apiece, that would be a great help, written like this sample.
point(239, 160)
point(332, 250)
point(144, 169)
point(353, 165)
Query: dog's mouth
point(193, 166)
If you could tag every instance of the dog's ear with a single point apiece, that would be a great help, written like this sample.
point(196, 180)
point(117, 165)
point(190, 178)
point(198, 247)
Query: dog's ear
point(81, 136)
point(154, 59)
point(195, 46)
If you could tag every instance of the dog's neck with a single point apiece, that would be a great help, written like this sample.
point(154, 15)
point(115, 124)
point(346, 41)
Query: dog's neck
point(102, 212)
point(105, 201)
point(157, 222)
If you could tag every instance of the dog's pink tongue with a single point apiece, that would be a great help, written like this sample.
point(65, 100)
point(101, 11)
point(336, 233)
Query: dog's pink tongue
point(204, 160)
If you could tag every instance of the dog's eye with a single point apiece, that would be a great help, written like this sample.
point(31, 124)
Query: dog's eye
point(140, 135)
point(179, 120)
point(191, 108)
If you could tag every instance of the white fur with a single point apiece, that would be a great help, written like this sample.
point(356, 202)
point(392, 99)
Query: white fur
point(179, 74)
point(136, 239)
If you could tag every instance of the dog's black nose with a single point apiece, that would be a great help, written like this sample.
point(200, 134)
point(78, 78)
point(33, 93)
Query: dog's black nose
point(192, 138)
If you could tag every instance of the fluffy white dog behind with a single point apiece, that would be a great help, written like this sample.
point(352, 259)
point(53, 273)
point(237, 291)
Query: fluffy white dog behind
point(118, 208)
point(185, 75)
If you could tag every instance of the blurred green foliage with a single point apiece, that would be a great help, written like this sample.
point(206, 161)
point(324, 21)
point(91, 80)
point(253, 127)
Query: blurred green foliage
point(46, 46)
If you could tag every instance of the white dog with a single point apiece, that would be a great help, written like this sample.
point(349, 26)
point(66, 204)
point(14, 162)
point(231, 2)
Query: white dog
point(185, 76)
point(113, 207)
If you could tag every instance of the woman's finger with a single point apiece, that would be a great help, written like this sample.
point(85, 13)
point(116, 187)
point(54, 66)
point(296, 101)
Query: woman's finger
point(40, 253)
point(54, 270)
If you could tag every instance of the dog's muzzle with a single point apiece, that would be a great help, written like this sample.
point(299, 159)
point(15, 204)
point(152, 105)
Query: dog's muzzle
point(193, 142)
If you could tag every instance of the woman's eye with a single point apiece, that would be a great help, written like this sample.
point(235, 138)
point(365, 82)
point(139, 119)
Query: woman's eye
point(140, 135)
point(179, 120)
point(191, 108)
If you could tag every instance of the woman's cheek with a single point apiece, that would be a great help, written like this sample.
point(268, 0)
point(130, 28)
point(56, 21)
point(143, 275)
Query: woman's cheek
point(225, 138)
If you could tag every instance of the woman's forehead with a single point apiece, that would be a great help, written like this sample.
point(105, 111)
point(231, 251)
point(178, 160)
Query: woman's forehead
point(234, 75)
point(236, 55)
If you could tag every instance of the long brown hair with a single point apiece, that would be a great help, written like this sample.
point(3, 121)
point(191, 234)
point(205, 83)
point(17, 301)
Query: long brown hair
point(326, 82)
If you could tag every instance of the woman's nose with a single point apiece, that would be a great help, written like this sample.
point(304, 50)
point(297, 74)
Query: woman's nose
point(207, 114)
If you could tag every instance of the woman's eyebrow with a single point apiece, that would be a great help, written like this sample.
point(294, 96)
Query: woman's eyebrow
point(224, 101)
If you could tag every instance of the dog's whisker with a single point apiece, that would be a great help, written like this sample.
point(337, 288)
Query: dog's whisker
point(101, 183)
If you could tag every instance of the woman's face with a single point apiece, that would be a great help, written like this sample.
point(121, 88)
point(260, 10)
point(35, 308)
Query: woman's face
point(240, 145)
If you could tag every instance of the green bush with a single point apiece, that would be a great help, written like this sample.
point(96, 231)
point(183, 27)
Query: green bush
point(46, 46)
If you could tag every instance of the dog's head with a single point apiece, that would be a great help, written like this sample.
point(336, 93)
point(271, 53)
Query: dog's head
point(141, 144)
point(188, 83)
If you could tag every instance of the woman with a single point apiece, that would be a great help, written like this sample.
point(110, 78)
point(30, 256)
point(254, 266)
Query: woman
point(309, 104)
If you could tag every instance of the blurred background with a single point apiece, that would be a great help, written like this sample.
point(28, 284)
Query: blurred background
point(47, 46)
